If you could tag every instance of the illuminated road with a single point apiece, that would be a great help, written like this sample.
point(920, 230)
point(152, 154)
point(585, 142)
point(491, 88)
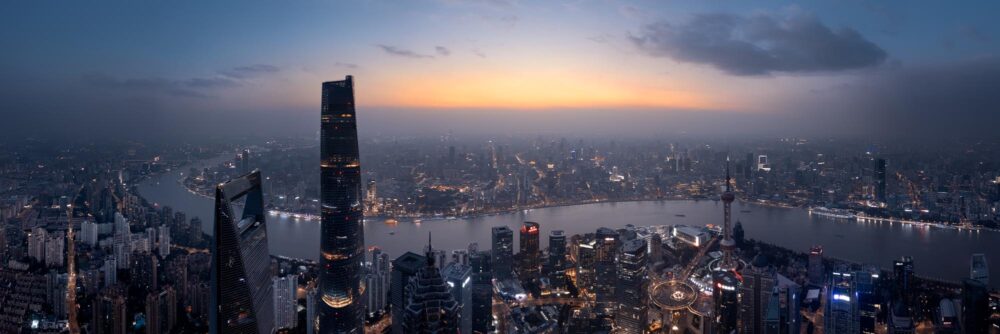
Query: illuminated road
point(380, 326)
point(697, 258)
point(74, 326)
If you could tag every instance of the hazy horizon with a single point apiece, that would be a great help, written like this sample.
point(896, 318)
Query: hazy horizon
point(157, 71)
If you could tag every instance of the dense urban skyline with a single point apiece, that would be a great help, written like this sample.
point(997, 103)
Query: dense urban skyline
point(499, 167)
point(754, 67)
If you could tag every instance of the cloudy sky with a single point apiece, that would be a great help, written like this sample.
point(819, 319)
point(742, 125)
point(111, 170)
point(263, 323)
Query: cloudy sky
point(614, 66)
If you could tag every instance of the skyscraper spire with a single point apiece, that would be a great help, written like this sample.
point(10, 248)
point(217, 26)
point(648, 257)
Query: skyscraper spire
point(727, 175)
point(430, 251)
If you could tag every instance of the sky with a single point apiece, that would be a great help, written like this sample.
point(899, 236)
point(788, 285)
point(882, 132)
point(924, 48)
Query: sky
point(195, 68)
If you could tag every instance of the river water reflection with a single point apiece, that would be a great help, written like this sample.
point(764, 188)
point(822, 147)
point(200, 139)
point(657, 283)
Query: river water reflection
point(941, 253)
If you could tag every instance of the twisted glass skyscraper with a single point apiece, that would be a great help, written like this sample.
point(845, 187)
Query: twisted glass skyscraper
point(341, 306)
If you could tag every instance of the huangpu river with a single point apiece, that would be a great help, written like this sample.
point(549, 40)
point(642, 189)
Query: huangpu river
point(938, 253)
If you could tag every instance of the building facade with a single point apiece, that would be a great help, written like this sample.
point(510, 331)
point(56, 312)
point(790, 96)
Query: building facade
point(503, 252)
point(241, 276)
point(631, 291)
point(342, 235)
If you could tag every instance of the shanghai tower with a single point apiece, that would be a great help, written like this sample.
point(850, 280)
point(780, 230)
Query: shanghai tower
point(341, 306)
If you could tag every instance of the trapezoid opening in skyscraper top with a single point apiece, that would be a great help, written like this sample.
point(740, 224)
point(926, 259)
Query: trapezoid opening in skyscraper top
point(241, 276)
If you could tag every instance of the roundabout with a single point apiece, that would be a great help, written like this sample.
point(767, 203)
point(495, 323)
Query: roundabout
point(673, 295)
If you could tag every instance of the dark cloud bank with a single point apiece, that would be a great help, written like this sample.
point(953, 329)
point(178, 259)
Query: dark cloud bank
point(759, 44)
point(933, 101)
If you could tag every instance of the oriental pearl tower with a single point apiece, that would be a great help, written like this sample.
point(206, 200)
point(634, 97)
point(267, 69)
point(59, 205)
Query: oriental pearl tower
point(728, 262)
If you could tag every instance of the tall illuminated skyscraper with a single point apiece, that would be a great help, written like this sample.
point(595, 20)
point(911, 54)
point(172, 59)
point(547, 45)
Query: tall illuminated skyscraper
point(604, 263)
point(557, 260)
point(503, 252)
point(631, 291)
point(726, 295)
point(880, 180)
point(241, 272)
point(530, 251)
point(842, 314)
point(482, 291)
point(342, 240)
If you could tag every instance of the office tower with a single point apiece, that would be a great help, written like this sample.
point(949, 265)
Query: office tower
point(975, 306)
point(841, 315)
point(762, 164)
point(867, 293)
point(586, 259)
point(459, 279)
point(285, 304)
point(377, 282)
point(371, 197)
point(655, 248)
point(530, 251)
point(631, 290)
point(503, 252)
point(404, 267)
point(725, 293)
point(880, 180)
point(245, 161)
point(946, 320)
point(790, 304)
point(738, 233)
point(729, 261)
point(482, 291)
point(342, 237)
point(749, 167)
point(979, 270)
point(902, 270)
point(557, 260)
point(241, 277)
point(311, 304)
point(900, 320)
point(109, 316)
point(430, 306)
point(460, 256)
point(164, 242)
point(816, 266)
point(604, 282)
point(756, 290)
point(440, 257)
point(773, 315)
